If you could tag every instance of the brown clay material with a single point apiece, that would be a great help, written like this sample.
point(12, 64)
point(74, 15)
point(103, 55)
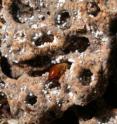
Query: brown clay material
point(54, 54)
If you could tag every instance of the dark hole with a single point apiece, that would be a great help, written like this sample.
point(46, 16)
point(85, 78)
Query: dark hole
point(74, 43)
point(88, 111)
point(49, 116)
point(48, 12)
point(31, 99)
point(52, 84)
point(61, 18)
point(69, 117)
point(37, 73)
point(39, 65)
point(85, 76)
point(2, 19)
point(5, 66)
point(72, 114)
point(43, 18)
point(20, 12)
point(4, 106)
point(39, 61)
point(40, 40)
point(111, 91)
point(93, 8)
point(51, 113)
point(14, 11)
point(111, 95)
point(113, 26)
point(8, 70)
point(2, 97)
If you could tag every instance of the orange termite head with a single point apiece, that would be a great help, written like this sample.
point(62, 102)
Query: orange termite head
point(57, 70)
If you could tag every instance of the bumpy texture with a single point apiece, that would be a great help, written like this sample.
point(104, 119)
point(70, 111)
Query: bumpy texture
point(54, 54)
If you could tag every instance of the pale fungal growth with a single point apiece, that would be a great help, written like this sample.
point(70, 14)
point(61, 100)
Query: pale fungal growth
point(55, 60)
point(60, 3)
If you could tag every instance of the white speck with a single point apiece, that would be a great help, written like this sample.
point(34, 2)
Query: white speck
point(15, 61)
point(37, 35)
point(2, 94)
point(10, 50)
point(34, 26)
point(93, 78)
point(32, 17)
point(81, 62)
point(40, 16)
point(2, 85)
point(6, 56)
point(22, 51)
point(98, 33)
point(49, 32)
point(55, 40)
point(55, 91)
point(95, 91)
point(30, 94)
point(45, 74)
point(59, 59)
point(60, 3)
point(42, 25)
point(71, 94)
point(105, 39)
point(45, 91)
point(68, 87)
point(79, 15)
point(71, 60)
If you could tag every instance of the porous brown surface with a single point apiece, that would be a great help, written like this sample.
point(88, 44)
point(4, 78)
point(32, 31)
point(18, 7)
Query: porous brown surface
point(57, 57)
